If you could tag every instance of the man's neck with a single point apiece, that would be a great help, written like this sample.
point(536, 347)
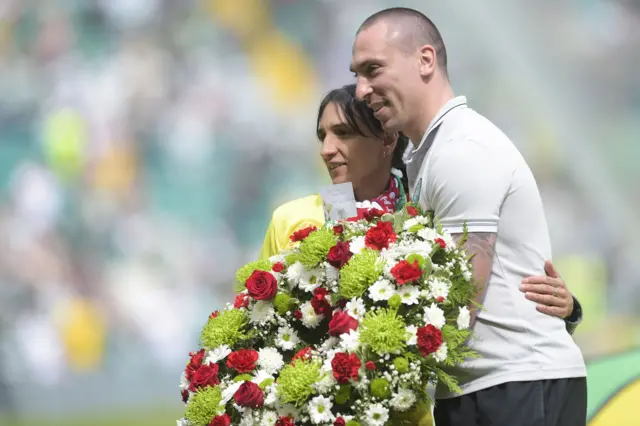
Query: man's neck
point(427, 111)
point(376, 185)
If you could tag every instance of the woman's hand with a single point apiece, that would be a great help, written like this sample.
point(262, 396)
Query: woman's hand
point(550, 292)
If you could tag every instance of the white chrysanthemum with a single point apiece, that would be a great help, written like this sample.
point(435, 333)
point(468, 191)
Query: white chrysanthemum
point(329, 344)
point(287, 410)
point(287, 338)
point(320, 410)
point(326, 384)
point(260, 376)
point(403, 400)
point(413, 335)
point(435, 316)
point(184, 383)
point(439, 287)
point(441, 354)
point(183, 422)
point(357, 244)
point(295, 271)
point(409, 223)
point(333, 273)
point(247, 419)
point(228, 392)
point(262, 312)
point(428, 234)
point(310, 280)
point(376, 415)
point(356, 308)
point(409, 294)
point(309, 317)
point(381, 290)
point(270, 360)
point(269, 418)
point(271, 396)
point(217, 354)
point(464, 318)
point(350, 341)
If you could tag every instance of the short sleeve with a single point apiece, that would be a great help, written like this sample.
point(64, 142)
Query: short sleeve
point(466, 183)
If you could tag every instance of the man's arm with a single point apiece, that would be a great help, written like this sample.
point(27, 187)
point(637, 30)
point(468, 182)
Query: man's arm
point(482, 246)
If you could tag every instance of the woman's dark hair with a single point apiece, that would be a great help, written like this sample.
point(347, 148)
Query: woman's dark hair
point(362, 121)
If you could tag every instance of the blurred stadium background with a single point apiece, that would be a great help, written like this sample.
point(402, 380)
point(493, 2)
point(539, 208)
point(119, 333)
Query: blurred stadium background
point(145, 143)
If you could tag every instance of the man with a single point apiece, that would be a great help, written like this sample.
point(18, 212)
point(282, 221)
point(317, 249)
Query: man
point(468, 172)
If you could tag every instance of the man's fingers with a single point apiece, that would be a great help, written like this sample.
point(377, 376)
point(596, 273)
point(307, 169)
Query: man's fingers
point(550, 269)
point(545, 299)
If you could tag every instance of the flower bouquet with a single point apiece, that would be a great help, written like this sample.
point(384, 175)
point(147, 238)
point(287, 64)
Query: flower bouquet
point(346, 328)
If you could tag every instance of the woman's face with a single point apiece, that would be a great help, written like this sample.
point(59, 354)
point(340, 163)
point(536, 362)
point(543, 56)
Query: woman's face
point(349, 156)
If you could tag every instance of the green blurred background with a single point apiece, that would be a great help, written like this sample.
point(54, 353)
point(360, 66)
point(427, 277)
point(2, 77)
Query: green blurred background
point(145, 143)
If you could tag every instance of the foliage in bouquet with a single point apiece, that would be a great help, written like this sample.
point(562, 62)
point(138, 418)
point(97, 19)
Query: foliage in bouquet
point(348, 327)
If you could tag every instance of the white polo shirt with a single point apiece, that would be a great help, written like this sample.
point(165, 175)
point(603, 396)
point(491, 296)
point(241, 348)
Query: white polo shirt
point(467, 170)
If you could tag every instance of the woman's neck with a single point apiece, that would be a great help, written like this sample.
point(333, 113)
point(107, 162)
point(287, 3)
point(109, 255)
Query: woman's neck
point(375, 187)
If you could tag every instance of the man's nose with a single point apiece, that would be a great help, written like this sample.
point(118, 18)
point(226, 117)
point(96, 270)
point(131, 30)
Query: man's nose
point(363, 89)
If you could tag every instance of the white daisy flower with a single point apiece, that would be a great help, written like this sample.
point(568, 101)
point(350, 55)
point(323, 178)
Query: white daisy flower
point(413, 335)
point(287, 338)
point(262, 312)
point(310, 280)
point(184, 383)
point(269, 418)
point(271, 396)
point(403, 400)
point(409, 294)
point(320, 410)
point(330, 343)
point(464, 318)
point(326, 384)
point(410, 223)
point(183, 422)
point(247, 419)
point(435, 316)
point(217, 354)
point(441, 354)
point(270, 360)
point(287, 410)
point(333, 273)
point(376, 415)
point(428, 234)
point(309, 317)
point(357, 244)
point(356, 308)
point(439, 287)
point(381, 290)
point(295, 271)
point(260, 376)
point(350, 341)
point(228, 393)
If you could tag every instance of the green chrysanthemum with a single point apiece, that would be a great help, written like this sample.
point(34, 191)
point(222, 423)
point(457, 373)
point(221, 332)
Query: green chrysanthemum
point(243, 274)
point(380, 388)
point(314, 248)
point(361, 272)
point(383, 331)
point(283, 303)
point(204, 405)
point(295, 384)
point(227, 328)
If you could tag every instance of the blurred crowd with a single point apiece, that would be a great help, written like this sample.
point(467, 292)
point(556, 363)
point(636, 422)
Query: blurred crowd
point(145, 143)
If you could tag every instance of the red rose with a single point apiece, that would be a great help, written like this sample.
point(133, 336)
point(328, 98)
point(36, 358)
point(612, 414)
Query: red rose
point(303, 354)
point(194, 364)
point(241, 301)
point(249, 395)
point(207, 375)
point(185, 396)
point(262, 285)
point(303, 233)
point(371, 366)
point(440, 242)
point(412, 211)
point(345, 367)
point(320, 304)
point(243, 361)
point(285, 421)
point(339, 422)
point(339, 255)
point(372, 214)
point(278, 267)
point(342, 322)
point(223, 420)
point(380, 236)
point(338, 229)
point(405, 272)
point(429, 339)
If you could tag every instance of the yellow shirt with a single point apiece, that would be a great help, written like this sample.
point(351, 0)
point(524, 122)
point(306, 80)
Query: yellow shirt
point(298, 214)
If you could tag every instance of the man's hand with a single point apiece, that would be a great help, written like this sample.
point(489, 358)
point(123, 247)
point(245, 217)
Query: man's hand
point(549, 292)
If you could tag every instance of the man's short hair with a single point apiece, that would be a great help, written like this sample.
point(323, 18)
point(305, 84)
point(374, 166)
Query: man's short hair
point(417, 30)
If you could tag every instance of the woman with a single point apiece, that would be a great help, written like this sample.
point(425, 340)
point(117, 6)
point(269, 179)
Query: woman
point(355, 149)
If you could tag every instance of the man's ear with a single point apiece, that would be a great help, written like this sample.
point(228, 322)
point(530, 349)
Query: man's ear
point(427, 60)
